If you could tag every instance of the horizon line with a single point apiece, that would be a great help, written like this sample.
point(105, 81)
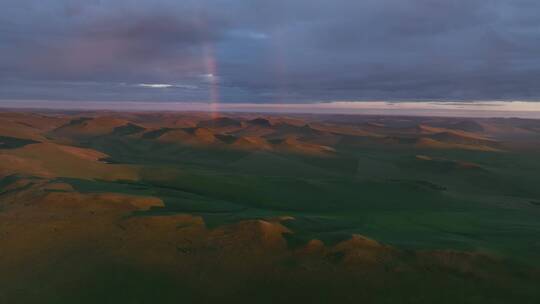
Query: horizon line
point(450, 108)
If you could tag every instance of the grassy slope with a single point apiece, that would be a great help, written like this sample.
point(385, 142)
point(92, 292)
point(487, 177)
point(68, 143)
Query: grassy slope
point(386, 194)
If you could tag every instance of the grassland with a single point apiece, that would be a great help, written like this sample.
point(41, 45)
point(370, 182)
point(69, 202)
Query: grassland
point(173, 206)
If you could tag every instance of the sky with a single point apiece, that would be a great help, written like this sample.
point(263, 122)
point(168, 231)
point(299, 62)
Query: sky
point(276, 52)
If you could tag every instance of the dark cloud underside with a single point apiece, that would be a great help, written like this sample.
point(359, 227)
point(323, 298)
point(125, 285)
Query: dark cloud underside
point(269, 51)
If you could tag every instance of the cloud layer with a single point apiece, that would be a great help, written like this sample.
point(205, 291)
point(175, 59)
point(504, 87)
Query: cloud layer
point(269, 51)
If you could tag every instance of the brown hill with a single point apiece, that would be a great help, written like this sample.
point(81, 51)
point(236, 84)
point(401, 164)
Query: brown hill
point(262, 122)
point(220, 122)
point(90, 127)
point(429, 143)
point(188, 136)
point(251, 143)
point(291, 144)
point(28, 125)
point(460, 138)
point(55, 160)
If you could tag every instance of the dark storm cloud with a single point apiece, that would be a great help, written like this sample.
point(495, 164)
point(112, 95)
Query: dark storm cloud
point(270, 51)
